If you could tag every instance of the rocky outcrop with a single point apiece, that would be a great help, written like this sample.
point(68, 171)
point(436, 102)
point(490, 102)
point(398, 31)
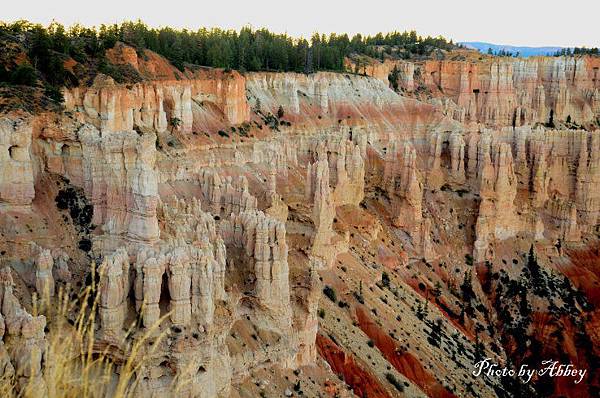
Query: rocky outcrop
point(160, 105)
point(318, 193)
point(223, 236)
point(16, 178)
point(497, 190)
point(226, 195)
point(193, 260)
point(401, 178)
point(120, 179)
point(587, 195)
point(564, 215)
point(28, 344)
point(403, 71)
point(521, 91)
point(506, 91)
point(114, 289)
point(44, 280)
point(263, 240)
point(326, 99)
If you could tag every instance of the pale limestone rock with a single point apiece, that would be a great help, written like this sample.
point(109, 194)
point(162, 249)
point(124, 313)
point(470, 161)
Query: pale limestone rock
point(226, 195)
point(28, 342)
point(61, 265)
point(180, 287)
point(539, 177)
point(16, 176)
point(564, 215)
point(587, 194)
point(193, 261)
point(264, 242)
point(28, 356)
point(277, 207)
point(497, 188)
point(6, 367)
point(426, 245)
point(114, 289)
point(151, 105)
point(350, 173)
point(319, 193)
point(120, 179)
point(401, 180)
point(151, 288)
point(44, 281)
point(457, 156)
point(434, 174)
point(511, 92)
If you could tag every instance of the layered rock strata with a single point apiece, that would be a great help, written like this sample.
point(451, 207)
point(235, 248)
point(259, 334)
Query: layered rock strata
point(222, 233)
point(504, 91)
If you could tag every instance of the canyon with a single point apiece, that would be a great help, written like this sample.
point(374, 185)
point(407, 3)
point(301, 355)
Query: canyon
point(324, 234)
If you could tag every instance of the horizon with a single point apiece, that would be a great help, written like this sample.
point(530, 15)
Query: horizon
point(304, 21)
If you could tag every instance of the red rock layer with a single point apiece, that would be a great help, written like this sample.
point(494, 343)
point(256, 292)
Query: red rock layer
point(403, 361)
point(363, 383)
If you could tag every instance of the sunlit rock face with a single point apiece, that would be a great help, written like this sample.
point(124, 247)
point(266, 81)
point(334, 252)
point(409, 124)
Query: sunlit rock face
point(503, 91)
point(256, 214)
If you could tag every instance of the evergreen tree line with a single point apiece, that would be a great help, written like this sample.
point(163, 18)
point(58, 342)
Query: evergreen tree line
point(577, 51)
point(503, 53)
point(247, 50)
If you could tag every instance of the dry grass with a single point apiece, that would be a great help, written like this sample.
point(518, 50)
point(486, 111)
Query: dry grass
point(74, 364)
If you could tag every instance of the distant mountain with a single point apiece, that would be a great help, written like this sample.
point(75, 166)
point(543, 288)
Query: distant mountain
point(523, 51)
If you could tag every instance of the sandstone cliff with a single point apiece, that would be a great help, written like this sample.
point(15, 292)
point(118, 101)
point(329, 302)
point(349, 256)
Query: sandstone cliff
point(503, 91)
point(215, 208)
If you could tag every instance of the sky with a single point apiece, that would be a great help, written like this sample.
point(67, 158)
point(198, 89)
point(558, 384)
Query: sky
point(565, 23)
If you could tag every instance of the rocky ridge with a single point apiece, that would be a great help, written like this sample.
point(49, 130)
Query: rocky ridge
point(216, 211)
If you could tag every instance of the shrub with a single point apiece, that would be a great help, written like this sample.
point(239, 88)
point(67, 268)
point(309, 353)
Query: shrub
point(330, 293)
point(54, 93)
point(468, 259)
point(393, 78)
point(395, 382)
point(359, 297)
point(385, 279)
point(24, 74)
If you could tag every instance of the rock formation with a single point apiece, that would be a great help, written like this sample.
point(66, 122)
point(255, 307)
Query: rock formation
point(401, 179)
point(44, 281)
point(503, 92)
point(120, 179)
point(263, 241)
point(219, 221)
point(318, 193)
point(114, 289)
point(16, 180)
point(497, 190)
point(27, 335)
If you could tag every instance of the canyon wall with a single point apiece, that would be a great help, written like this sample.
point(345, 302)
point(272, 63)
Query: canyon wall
point(215, 200)
point(502, 91)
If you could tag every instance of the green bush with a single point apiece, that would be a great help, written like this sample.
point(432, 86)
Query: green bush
point(468, 259)
point(385, 279)
point(330, 293)
point(24, 74)
point(395, 382)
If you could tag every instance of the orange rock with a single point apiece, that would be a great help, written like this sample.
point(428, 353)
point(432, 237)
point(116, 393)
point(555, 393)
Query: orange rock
point(363, 383)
